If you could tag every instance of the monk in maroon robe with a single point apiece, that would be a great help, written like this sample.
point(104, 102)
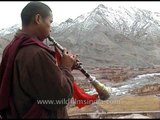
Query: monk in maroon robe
point(29, 72)
point(36, 82)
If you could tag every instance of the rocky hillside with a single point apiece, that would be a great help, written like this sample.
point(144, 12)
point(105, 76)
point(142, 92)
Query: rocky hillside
point(111, 37)
point(3, 43)
point(147, 89)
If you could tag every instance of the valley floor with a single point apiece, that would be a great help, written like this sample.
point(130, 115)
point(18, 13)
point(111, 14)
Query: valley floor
point(120, 105)
point(146, 103)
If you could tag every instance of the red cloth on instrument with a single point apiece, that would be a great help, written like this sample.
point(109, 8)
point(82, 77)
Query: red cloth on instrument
point(81, 98)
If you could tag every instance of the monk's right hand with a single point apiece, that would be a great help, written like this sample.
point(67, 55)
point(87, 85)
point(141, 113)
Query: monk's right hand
point(68, 60)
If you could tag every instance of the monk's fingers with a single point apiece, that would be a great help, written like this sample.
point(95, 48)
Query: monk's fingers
point(76, 57)
point(79, 63)
point(66, 52)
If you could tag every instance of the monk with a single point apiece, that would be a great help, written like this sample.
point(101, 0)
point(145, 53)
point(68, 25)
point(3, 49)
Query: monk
point(29, 72)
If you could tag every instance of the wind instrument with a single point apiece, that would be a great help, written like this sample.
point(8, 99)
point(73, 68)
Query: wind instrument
point(103, 91)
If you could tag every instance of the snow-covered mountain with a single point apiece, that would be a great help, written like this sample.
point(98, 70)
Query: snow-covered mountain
point(9, 30)
point(111, 36)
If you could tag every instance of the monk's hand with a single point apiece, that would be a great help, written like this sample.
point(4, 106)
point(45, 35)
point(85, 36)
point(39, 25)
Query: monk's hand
point(68, 60)
point(77, 64)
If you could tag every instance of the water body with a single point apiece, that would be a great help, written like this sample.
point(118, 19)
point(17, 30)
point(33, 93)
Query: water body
point(139, 81)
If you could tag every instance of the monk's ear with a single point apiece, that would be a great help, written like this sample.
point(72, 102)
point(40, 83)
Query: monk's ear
point(38, 19)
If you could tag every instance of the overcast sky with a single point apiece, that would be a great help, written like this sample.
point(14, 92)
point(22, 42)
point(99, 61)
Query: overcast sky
point(10, 11)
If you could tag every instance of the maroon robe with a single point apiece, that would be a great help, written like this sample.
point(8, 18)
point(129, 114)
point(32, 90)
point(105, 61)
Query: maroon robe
point(29, 73)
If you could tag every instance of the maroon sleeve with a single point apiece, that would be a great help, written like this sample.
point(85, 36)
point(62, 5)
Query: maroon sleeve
point(44, 80)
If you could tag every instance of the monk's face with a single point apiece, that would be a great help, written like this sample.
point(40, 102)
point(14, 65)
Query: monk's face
point(44, 26)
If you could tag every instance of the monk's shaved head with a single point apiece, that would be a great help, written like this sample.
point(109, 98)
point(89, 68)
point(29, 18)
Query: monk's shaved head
point(32, 9)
